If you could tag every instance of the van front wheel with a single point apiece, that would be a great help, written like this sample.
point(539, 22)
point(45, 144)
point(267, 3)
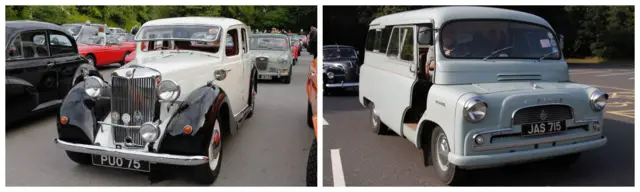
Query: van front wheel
point(378, 127)
point(448, 173)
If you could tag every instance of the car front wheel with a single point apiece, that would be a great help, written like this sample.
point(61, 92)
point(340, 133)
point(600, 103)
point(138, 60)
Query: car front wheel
point(207, 173)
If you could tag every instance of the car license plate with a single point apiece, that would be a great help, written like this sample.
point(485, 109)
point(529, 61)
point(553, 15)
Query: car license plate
point(543, 128)
point(265, 77)
point(121, 163)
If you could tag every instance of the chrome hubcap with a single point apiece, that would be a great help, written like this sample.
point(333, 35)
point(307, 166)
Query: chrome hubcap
point(214, 150)
point(374, 118)
point(443, 150)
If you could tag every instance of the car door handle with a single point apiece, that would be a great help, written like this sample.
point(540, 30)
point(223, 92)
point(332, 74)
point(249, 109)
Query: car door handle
point(50, 64)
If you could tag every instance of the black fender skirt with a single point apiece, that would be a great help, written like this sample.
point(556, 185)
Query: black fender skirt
point(191, 112)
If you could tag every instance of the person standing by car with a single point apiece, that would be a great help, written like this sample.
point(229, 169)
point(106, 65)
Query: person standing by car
point(313, 40)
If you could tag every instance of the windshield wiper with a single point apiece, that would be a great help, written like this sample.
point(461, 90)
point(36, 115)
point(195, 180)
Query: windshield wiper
point(547, 55)
point(496, 52)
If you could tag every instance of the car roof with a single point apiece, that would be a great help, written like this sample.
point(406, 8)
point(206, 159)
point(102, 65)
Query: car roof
point(338, 47)
point(220, 21)
point(13, 27)
point(442, 15)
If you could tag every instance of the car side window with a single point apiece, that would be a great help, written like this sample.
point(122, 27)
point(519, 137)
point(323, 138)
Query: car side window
point(60, 44)
point(28, 45)
point(245, 48)
point(370, 40)
point(231, 43)
point(394, 44)
point(407, 44)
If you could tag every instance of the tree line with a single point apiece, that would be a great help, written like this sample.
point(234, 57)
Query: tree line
point(126, 17)
point(603, 31)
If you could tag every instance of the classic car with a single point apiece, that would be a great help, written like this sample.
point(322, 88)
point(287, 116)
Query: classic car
point(272, 55)
point(76, 29)
point(39, 70)
point(312, 98)
point(103, 50)
point(296, 42)
point(340, 68)
point(171, 108)
point(116, 30)
point(452, 83)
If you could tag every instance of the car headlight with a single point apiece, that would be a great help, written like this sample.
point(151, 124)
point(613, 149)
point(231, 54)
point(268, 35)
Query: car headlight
point(168, 90)
point(93, 86)
point(330, 75)
point(598, 100)
point(283, 60)
point(475, 109)
point(149, 132)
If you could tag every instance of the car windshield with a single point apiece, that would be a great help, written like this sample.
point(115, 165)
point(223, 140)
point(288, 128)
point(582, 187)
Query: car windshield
point(338, 53)
point(73, 29)
point(89, 36)
point(269, 43)
point(497, 39)
point(205, 38)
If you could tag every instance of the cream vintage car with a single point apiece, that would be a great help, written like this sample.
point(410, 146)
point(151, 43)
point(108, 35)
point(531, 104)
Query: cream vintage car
point(190, 87)
point(496, 90)
point(272, 56)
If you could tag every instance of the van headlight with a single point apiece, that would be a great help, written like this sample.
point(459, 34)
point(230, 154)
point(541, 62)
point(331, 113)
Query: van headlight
point(475, 109)
point(598, 100)
point(93, 86)
point(149, 132)
point(168, 90)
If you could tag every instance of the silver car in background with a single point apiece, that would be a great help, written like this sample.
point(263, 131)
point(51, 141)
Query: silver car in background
point(272, 56)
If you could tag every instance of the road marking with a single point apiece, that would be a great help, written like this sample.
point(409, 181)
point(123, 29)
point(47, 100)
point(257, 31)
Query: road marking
point(624, 113)
point(336, 167)
point(588, 72)
point(632, 78)
point(324, 122)
point(614, 74)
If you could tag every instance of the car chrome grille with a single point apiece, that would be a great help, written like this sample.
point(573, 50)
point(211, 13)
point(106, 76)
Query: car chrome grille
point(137, 98)
point(536, 115)
point(261, 63)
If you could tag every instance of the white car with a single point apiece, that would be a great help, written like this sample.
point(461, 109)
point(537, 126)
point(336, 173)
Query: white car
point(173, 105)
point(272, 56)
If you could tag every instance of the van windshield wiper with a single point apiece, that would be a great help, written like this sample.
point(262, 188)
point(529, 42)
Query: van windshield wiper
point(496, 52)
point(547, 55)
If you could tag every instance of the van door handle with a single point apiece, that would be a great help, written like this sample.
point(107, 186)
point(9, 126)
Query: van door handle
point(50, 64)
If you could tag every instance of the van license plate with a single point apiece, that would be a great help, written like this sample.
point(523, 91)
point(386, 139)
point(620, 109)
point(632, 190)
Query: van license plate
point(121, 163)
point(543, 128)
point(265, 77)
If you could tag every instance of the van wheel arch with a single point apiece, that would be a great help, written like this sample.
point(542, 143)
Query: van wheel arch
point(424, 139)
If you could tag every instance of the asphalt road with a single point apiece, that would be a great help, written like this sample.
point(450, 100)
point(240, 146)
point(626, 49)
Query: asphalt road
point(270, 149)
point(371, 160)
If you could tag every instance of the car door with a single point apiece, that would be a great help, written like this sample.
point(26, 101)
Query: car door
point(233, 65)
point(400, 67)
point(28, 58)
point(246, 64)
point(66, 59)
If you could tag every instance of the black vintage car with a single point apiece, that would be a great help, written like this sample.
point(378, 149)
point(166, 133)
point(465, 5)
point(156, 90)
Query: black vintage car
point(341, 68)
point(42, 64)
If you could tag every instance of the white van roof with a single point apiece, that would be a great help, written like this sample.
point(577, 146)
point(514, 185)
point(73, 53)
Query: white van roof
point(441, 15)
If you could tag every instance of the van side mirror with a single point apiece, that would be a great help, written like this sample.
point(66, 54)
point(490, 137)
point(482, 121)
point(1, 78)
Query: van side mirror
point(561, 43)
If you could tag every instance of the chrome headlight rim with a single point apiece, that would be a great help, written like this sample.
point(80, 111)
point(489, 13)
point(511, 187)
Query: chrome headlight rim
point(330, 75)
point(472, 103)
point(595, 97)
point(173, 97)
point(95, 84)
point(149, 132)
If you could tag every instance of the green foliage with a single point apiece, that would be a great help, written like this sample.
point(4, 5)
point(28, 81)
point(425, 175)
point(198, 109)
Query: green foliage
point(126, 17)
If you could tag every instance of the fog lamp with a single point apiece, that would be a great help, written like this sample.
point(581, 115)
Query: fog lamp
point(479, 139)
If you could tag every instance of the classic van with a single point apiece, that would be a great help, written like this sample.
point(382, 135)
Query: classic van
point(477, 87)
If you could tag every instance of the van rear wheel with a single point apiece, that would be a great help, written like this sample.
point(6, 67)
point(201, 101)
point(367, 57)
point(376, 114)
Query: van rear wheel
point(378, 127)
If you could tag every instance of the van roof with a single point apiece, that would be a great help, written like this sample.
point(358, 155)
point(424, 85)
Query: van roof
point(441, 15)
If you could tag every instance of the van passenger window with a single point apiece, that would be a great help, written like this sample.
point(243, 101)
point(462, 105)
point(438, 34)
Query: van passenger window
point(370, 40)
point(384, 41)
point(378, 40)
point(394, 44)
point(407, 45)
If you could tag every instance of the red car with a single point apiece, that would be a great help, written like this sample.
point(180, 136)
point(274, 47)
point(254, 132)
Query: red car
point(102, 51)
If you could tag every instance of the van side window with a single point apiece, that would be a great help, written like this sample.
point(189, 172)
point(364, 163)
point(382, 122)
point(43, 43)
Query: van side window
point(384, 41)
point(394, 44)
point(407, 44)
point(370, 40)
point(378, 40)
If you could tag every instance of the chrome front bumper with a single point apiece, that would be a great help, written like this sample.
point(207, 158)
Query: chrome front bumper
point(274, 74)
point(343, 84)
point(137, 155)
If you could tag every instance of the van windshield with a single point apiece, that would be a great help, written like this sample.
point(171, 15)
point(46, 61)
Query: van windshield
point(497, 40)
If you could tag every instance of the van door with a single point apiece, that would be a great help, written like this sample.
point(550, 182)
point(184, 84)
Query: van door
point(400, 66)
